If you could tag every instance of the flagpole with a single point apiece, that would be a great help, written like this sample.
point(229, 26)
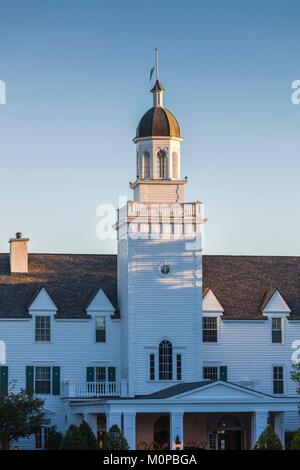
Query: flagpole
point(156, 62)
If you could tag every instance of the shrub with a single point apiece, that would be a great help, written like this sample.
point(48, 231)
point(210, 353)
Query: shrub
point(54, 439)
point(73, 440)
point(295, 445)
point(268, 440)
point(88, 436)
point(115, 440)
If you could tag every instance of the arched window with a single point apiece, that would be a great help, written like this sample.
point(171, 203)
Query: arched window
point(146, 165)
point(165, 360)
point(175, 172)
point(162, 164)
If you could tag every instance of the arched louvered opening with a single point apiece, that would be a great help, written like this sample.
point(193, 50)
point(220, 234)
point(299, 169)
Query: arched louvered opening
point(146, 165)
point(162, 164)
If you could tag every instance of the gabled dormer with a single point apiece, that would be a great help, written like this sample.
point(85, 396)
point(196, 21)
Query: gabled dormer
point(101, 310)
point(42, 309)
point(212, 310)
point(276, 309)
point(42, 301)
point(274, 303)
point(210, 304)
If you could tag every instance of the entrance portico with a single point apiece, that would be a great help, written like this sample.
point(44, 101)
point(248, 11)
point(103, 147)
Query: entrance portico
point(210, 415)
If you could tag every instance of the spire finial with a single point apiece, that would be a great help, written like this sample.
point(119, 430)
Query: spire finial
point(156, 64)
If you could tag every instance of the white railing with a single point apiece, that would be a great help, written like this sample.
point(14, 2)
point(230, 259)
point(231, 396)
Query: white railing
point(90, 389)
point(152, 210)
point(252, 384)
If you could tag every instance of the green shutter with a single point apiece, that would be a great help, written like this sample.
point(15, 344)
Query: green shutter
point(55, 380)
point(111, 374)
point(90, 374)
point(29, 379)
point(3, 380)
point(223, 373)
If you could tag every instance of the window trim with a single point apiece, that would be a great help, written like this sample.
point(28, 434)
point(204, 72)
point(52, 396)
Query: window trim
point(283, 379)
point(39, 315)
point(43, 440)
point(218, 329)
point(211, 366)
point(282, 329)
point(102, 315)
point(34, 379)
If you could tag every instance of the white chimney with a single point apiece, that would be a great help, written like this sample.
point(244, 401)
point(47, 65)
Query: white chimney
point(19, 254)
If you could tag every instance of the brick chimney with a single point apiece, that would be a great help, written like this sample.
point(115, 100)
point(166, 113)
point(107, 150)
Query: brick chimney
point(19, 254)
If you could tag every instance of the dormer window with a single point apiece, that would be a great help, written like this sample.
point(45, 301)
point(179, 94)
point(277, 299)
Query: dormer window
point(210, 329)
point(277, 330)
point(162, 164)
point(42, 328)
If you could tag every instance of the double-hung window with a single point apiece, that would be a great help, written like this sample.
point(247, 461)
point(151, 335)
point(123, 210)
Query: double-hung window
point(42, 380)
point(277, 330)
point(278, 380)
point(100, 329)
point(42, 328)
point(210, 329)
point(210, 373)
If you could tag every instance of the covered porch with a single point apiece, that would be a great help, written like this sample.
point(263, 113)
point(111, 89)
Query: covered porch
point(212, 416)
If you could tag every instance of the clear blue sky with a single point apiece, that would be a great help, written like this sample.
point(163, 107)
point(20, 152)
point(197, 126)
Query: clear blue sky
point(77, 76)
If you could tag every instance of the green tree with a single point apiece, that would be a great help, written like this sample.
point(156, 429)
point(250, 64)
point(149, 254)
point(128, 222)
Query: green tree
point(54, 439)
point(21, 414)
point(88, 436)
point(295, 445)
point(268, 440)
point(73, 440)
point(115, 440)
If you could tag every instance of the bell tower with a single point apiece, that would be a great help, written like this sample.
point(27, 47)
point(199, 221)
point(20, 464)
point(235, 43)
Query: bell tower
point(160, 262)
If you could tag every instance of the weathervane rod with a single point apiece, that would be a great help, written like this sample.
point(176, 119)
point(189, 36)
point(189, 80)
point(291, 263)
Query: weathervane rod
point(156, 62)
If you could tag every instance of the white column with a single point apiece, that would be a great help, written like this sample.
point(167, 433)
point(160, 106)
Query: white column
point(112, 418)
point(91, 420)
point(73, 418)
point(259, 423)
point(129, 429)
point(279, 427)
point(176, 425)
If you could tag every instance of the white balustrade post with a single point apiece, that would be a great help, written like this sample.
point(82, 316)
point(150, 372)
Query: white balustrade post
point(279, 427)
point(176, 425)
point(129, 429)
point(259, 423)
point(124, 388)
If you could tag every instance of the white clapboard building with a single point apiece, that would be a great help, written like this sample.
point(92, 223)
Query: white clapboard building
point(167, 343)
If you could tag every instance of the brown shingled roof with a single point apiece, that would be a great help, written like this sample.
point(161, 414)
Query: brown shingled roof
point(69, 279)
point(241, 283)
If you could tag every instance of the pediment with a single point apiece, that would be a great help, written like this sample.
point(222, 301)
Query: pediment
point(276, 304)
point(42, 301)
point(100, 303)
point(219, 391)
point(210, 303)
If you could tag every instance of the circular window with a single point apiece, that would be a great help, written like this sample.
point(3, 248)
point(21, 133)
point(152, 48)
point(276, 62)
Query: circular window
point(164, 269)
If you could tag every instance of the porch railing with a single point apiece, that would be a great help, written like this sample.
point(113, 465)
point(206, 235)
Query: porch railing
point(90, 389)
point(251, 383)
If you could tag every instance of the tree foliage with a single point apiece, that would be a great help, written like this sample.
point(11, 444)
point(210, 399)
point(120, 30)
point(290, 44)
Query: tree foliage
point(54, 439)
point(295, 445)
point(268, 440)
point(88, 436)
point(115, 440)
point(21, 414)
point(73, 440)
